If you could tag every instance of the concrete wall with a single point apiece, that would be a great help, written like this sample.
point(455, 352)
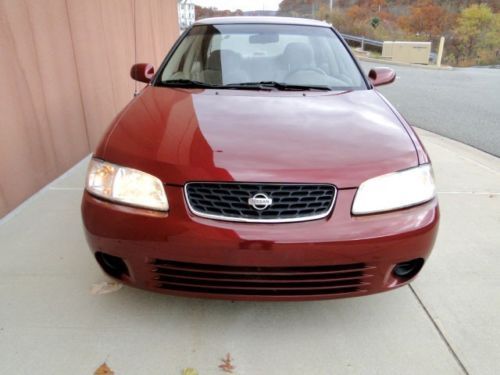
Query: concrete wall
point(64, 74)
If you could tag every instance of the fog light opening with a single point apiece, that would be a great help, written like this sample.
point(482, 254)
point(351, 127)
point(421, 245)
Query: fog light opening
point(409, 269)
point(113, 266)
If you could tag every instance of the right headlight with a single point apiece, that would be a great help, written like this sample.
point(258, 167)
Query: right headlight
point(395, 190)
point(126, 185)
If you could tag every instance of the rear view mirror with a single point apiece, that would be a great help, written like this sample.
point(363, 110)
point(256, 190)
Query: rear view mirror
point(264, 38)
point(382, 76)
point(142, 72)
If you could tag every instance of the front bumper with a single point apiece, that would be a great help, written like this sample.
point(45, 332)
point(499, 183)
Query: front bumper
point(182, 254)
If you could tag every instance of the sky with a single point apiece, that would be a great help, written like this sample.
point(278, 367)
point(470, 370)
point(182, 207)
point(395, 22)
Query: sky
point(240, 4)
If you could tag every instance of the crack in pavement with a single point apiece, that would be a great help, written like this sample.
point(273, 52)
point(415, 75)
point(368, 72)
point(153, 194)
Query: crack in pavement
point(440, 332)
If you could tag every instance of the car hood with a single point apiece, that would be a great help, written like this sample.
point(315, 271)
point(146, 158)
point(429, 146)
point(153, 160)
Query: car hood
point(185, 135)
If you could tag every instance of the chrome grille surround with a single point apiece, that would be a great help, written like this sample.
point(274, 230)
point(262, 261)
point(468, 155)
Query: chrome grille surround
point(316, 201)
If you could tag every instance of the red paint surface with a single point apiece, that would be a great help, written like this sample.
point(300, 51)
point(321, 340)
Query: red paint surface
point(257, 136)
point(183, 135)
point(382, 76)
point(380, 241)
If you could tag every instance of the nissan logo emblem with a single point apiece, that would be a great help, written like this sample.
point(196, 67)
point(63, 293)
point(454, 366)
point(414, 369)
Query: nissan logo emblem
point(260, 201)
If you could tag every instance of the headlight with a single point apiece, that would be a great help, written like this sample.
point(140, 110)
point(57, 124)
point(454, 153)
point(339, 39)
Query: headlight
point(126, 185)
point(395, 190)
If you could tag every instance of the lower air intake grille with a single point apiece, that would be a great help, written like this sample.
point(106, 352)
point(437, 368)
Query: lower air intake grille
point(231, 201)
point(260, 281)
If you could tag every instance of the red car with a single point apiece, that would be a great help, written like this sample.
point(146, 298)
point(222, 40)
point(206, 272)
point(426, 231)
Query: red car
point(259, 163)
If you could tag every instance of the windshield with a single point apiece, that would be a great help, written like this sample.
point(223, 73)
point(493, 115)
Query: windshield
point(284, 55)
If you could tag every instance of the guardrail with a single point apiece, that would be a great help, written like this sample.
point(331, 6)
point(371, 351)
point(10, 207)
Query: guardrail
point(362, 40)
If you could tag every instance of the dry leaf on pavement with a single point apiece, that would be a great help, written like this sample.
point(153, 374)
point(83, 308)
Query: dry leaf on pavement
point(103, 370)
point(105, 287)
point(226, 365)
point(189, 371)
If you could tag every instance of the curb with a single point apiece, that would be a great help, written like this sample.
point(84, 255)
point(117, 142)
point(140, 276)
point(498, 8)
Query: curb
point(478, 157)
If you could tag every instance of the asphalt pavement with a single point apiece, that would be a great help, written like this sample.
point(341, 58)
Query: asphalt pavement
point(461, 103)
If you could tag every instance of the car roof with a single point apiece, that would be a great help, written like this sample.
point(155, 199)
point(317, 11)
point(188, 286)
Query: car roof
point(264, 19)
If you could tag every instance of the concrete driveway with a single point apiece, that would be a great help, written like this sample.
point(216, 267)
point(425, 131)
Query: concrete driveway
point(447, 322)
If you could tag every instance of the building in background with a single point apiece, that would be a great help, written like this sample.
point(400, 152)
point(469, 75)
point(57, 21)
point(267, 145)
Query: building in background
point(185, 9)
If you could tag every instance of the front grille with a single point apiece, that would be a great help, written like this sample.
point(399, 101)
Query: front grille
point(261, 281)
point(290, 202)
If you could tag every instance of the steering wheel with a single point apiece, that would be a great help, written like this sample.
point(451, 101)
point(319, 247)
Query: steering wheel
point(310, 69)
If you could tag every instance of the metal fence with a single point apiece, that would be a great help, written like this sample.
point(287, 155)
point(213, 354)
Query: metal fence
point(362, 41)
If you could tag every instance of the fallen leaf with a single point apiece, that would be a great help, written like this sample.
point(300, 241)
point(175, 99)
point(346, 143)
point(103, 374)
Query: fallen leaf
point(189, 371)
point(103, 370)
point(105, 287)
point(226, 365)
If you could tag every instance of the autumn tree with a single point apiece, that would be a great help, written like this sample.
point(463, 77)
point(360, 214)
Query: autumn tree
point(298, 7)
point(478, 28)
point(377, 5)
point(425, 18)
point(493, 35)
point(202, 12)
point(357, 13)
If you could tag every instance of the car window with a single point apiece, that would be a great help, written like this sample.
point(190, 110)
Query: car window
point(239, 43)
point(243, 53)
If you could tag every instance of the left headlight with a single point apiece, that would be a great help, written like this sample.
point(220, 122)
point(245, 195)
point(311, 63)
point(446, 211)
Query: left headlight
point(125, 185)
point(395, 190)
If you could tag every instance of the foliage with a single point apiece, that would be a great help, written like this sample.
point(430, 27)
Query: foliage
point(202, 12)
point(478, 30)
point(471, 27)
point(357, 13)
point(295, 8)
point(425, 18)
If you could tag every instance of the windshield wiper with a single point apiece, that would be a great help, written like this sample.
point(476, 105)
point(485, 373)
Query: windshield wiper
point(188, 83)
point(262, 85)
point(278, 86)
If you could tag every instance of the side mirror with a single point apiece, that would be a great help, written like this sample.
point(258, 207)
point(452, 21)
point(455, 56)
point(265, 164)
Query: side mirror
point(382, 76)
point(142, 72)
